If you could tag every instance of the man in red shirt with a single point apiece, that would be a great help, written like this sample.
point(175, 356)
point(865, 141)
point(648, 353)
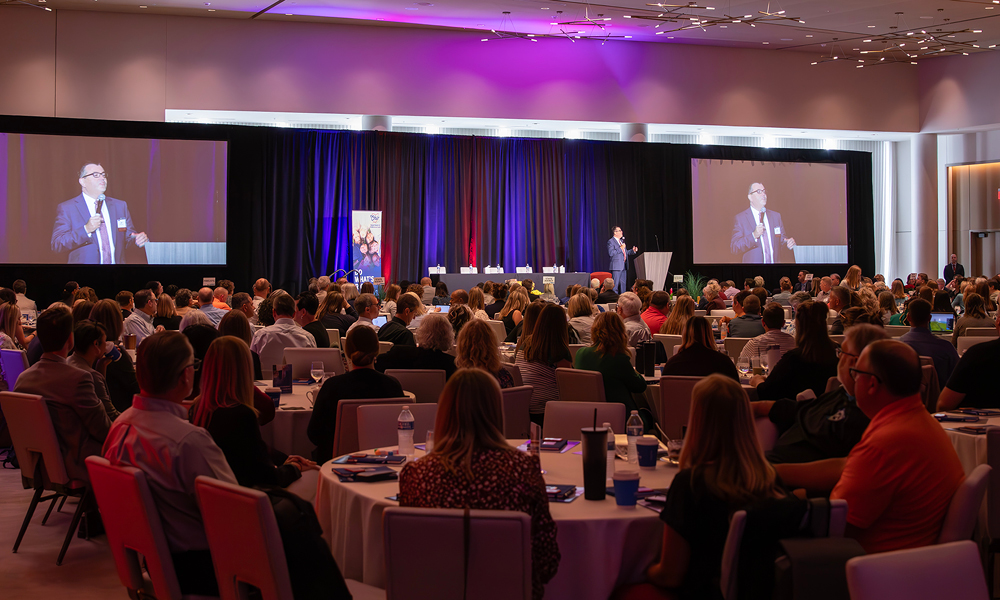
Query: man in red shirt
point(900, 478)
point(656, 314)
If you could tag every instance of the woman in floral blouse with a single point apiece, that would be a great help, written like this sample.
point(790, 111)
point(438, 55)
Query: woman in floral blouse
point(473, 466)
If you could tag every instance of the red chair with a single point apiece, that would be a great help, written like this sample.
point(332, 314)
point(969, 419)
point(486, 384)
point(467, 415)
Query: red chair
point(600, 276)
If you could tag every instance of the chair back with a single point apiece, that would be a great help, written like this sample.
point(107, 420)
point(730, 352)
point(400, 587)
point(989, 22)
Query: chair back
point(993, 489)
point(425, 384)
point(983, 331)
point(244, 539)
point(515, 373)
point(565, 419)
point(599, 276)
point(719, 312)
point(767, 433)
point(668, 341)
point(499, 331)
point(301, 360)
point(499, 554)
point(675, 403)
point(516, 417)
point(944, 571)
point(34, 438)
point(897, 330)
point(960, 520)
point(930, 388)
point(832, 384)
point(734, 345)
point(574, 348)
point(700, 313)
point(13, 363)
point(334, 335)
point(377, 423)
point(967, 341)
point(582, 386)
point(135, 533)
point(345, 436)
point(384, 347)
point(838, 339)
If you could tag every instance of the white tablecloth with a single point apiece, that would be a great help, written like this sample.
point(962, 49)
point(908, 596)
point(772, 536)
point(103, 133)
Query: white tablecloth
point(971, 448)
point(602, 546)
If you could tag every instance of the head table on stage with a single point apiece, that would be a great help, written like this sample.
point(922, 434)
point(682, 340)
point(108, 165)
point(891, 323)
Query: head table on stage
point(602, 545)
point(463, 281)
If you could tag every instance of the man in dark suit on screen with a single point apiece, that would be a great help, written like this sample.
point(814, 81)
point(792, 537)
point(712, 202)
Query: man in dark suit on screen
point(618, 253)
point(758, 233)
point(93, 228)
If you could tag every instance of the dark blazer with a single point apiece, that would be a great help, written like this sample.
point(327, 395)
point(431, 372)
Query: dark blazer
point(359, 383)
point(68, 234)
point(395, 331)
point(606, 297)
point(697, 360)
point(949, 272)
point(412, 357)
point(751, 250)
point(236, 432)
point(617, 258)
point(338, 321)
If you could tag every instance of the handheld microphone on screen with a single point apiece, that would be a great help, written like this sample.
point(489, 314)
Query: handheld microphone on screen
point(100, 203)
point(657, 242)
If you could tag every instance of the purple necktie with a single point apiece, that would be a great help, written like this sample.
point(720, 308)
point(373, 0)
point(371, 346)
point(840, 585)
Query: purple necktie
point(763, 239)
point(105, 241)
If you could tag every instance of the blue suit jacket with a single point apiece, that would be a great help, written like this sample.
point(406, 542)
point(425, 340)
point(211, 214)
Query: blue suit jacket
point(68, 234)
point(617, 258)
point(742, 242)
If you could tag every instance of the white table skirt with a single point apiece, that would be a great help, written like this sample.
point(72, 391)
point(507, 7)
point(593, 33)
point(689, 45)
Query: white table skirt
point(602, 546)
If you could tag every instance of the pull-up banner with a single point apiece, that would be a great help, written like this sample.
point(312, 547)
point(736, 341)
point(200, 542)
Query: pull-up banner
point(366, 244)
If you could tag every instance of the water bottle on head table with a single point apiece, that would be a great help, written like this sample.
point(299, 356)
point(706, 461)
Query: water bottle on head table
point(404, 433)
point(633, 430)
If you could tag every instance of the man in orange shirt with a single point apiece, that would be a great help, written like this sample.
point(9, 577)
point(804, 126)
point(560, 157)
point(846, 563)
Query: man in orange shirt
point(219, 299)
point(900, 478)
point(656, 314)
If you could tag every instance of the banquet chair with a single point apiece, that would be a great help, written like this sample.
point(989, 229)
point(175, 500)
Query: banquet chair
point(832, 384)
point(135, 532)
point(675, 403)
point(734, 345)
point(301, 360)
point(515, 373)
point(425, 384)
point(499, 331)
point(838, 339)
point(377, 423)
point(668, 341)
point(897, 330)
point(734, 540)
point(960, 520)
point(42, 464)
point(767, 433)
point(599, 276)
point(564, 419)
point(992, 506)
point(724, 313)
point(345, 435)
point(944, 571)
point(516, 418)
point(967, 341)
point(384, 347)
point(13, 363)
point(573, 349)
point(930, 389)
point(580, 385)
point(700, 313)
point(983, 331)
point(492, 549)
point(334, 335)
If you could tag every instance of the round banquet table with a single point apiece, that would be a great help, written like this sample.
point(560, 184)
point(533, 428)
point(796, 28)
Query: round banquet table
point(971, 448)
point(602, 546)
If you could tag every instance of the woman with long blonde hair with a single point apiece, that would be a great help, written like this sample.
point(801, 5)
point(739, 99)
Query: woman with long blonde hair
point(681, 312)
point(477, 304)
point(852, 280)
point(473, 466)
point(513, 310)
point(11, 333)
point(477, 349)
point(225, 408)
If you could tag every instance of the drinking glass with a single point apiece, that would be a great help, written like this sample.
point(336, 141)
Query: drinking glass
point(743, 366)
point(317, 371)
point(763, 363)
point(429, 444)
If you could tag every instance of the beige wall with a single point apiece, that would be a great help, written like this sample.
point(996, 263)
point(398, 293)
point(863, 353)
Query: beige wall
point(960, 92)
point(124, 66)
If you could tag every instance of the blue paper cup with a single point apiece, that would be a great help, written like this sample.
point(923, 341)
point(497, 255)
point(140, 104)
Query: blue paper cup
point(646, 449)
point(275, 394)
point(626, 487)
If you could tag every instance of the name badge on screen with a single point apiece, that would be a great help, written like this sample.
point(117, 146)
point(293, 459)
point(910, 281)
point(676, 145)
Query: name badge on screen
point(777, 230)
point(122, 224)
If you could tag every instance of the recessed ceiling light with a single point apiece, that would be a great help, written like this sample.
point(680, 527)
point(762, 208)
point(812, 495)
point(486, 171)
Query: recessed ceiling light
point(871, 27)
point(977, 31)
point(547, 8)
point(786, 39)
point(809, 36)
point(766, 42)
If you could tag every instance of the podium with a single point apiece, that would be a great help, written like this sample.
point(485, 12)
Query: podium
point(653, 266)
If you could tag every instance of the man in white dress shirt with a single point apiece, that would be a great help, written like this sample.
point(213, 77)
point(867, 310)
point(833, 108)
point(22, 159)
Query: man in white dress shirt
point(270, 342)
point(140, 322)
point(24, 303)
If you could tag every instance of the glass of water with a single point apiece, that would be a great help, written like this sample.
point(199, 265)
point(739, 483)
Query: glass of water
point(317, 371)
point(429, 444)
point(743, 366)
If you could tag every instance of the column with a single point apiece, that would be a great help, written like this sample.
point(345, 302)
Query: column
point(923, 160)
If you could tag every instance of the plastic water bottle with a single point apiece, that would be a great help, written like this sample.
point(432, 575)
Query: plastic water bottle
point(633, 429)
point(611, 451)
point(404, 432)
point(723, 330)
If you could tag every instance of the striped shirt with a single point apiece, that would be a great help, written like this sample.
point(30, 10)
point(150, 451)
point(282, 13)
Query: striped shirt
point(775, 337)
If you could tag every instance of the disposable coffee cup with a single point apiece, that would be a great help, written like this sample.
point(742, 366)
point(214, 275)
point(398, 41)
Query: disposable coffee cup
point(595, 462)
point(275, 395)
point(130, 341)
point(646, 448)
point(626, 487)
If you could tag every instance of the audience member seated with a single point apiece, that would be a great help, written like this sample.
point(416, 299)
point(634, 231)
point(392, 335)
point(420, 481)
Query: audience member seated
point(360, 382)
point(261, 290)
point(699, 356)
point(441, 297)
point(11, 334)
point(239, 326)
point(887, 306)
point(120, 374)
point(225, 407)
point(243, 303)
point(748, 324)
point(395, 331)
point(166, 314)
point(477, 304)
point(722, 470)
point(608, 354)
point(428, 293)
point(773, 320)
point(392, 292)
point(512, 312)
point(975, 316)
point(434, 339)
point(368, 308)
point(921, 339)
point(629, 307)
point(126, 302)
point(219, 297)
point(458, 316)
point(206, 304)
point(607, 294)
point(830, 425)
point(809, 365)
point(711, 298)
point(473, 466)
point(785, 295)
point(332, 313)
point(88, 355)
point(656, 314)
point(682, 311)
point(271, 341)
point(540, 354)
point(899, 480)
point(140, 322)
point(970, 384)
point(306, 306)
point(459, 297)
point(155, 437)
point(581, 316)
point(23, 302)
point(499, 300)
point(549, 295)
point(840, 299)
point(81, 310)
point(477, 349)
